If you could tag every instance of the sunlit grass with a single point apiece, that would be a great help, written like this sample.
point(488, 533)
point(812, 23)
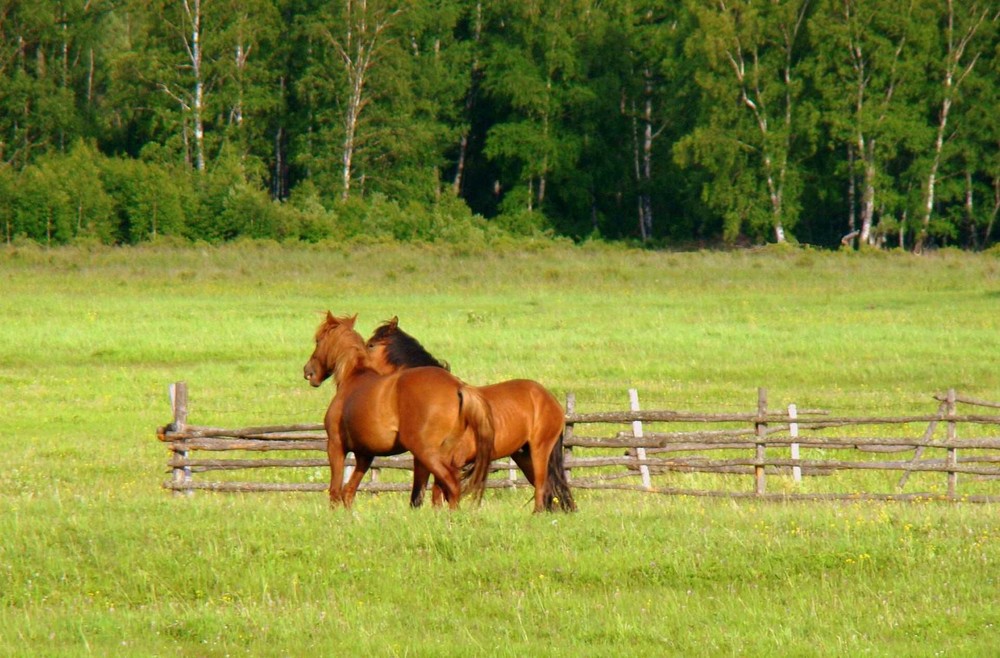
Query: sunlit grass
point(96, 558)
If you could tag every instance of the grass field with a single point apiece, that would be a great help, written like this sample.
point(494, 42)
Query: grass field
point(95, 558)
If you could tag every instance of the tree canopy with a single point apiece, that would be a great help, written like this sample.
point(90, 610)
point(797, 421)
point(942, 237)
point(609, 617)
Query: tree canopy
point(828, 122)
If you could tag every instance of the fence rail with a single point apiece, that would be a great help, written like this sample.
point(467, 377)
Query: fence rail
point(735, 457)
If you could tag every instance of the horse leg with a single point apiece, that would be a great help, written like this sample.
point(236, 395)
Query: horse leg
point(526, 460)
point(362, 464)
point(335, 453)
point(540, 468)
point(522, 458)
point(420, 477)
point(437, 494)
point(445, 479)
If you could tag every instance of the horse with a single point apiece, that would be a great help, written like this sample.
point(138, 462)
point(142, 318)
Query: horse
point(445, 424)
point(528, 421)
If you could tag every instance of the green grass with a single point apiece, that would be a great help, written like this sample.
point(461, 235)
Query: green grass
point(96, 558)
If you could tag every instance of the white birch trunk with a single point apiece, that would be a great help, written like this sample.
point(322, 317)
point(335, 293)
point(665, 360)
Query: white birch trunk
point(463, 147)
point(636, 164)
point(359, 51)
point(867, 192)
point(954, 74)
point(193, 10)
point(645, 198)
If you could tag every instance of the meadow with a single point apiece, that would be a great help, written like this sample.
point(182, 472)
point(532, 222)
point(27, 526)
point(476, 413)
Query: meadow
point(96, 558)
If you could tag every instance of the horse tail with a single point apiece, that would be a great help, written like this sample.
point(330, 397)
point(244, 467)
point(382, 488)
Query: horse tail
point(557, 483)
point(475, 410)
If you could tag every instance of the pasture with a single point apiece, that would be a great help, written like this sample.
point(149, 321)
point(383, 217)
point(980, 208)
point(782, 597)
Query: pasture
point(95, 558)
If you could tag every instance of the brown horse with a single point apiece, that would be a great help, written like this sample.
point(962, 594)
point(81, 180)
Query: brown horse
point(528, 421)
point(425, 411)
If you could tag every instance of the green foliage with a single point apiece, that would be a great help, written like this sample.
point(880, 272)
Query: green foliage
point(673, 122)
point(150, 200)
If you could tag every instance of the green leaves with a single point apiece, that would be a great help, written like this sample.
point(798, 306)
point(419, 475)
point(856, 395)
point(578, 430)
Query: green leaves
point(741, 121)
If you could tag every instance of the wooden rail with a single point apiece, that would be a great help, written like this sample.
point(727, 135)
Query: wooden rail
point(726, 448)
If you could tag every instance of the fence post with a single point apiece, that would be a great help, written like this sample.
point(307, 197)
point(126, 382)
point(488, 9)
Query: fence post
point(568, 435)
point(793, 429)
point(179, 407)
point(640, 453)
point(952, 452)
point(761, 427)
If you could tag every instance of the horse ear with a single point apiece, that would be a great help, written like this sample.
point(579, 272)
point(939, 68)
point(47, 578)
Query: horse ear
point(350, 321)
point(394, 322)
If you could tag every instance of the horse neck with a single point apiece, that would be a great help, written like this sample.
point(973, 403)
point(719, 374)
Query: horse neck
point(407, 352)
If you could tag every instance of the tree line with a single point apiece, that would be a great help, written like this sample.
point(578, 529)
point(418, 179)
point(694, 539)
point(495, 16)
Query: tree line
point(829, 122)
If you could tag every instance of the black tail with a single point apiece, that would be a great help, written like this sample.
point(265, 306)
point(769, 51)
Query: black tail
point(557, 484)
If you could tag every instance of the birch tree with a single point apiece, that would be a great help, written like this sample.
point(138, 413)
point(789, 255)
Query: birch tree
point(868, 68)
point(475, 73)
point(654, 37)
point(534, 68)
point(363, 35)
point(177, 69)
point(37, 104)
point(752, 52)
point(961, 52)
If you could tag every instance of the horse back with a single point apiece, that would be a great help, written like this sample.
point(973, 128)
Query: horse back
point(523, 410)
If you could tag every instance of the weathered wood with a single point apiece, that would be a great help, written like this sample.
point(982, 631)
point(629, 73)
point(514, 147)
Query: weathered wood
point(793, 431)
point(255, 445)
point(262, 487)
point(205, 465)
point(834, 443)
point(952, 434)
point(649, 452)
point(791, 496)
point(287, 432)
point(918, 453)
point(179, 407)
point(625, 417)
point(927, 465)
point(640, 452)
point(568, 431)
point(760, 447)
point(970, 401)
point(698, 447)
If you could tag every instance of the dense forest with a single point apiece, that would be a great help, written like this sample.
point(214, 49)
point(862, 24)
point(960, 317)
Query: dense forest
point(695, 122)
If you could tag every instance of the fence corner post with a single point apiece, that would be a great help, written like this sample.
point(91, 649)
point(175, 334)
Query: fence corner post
point(179, 406)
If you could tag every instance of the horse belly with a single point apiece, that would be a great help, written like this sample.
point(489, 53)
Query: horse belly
point(368, 426)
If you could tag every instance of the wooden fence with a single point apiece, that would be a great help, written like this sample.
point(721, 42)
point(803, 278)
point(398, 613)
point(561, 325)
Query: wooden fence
point(725, 455)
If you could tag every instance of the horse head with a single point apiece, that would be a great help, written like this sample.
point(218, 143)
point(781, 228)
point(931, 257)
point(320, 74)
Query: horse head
point(339, 348)
point(391, 349)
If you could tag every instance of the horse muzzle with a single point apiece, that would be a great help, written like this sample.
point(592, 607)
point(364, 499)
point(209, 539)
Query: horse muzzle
point(309, 374)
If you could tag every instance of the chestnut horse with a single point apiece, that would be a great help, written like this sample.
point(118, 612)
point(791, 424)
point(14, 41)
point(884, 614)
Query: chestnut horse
point(528, 421)
point(425, 411)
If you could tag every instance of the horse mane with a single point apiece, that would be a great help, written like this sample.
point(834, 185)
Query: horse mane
point(402, 349)
point(354, 356)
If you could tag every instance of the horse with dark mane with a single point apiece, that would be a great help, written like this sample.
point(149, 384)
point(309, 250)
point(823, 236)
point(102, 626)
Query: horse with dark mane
point(426, 411)
point(528, 421)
